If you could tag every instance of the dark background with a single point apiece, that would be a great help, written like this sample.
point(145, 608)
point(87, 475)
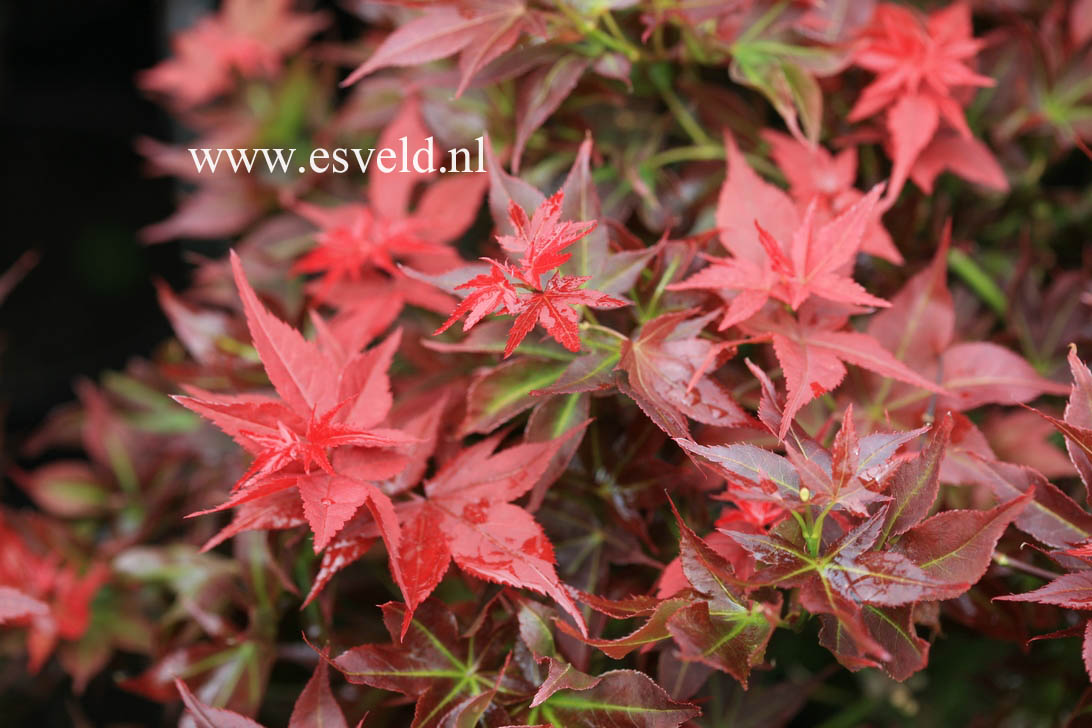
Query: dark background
point(71, 188)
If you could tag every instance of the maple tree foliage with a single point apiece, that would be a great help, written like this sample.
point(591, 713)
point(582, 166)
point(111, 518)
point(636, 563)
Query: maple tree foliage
point(918, 62)
point(725, 386)
point(52, 600)
point(518, 289)
point(1067, 538)
point(479, 32)
point(800, 261)
point(355, 239)
point(244, 37)
point(321, 435)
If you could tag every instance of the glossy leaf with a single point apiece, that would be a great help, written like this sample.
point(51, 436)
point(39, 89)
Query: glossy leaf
point(956, 547)
point(205, 716)
point(316, 706)
point(622, 698)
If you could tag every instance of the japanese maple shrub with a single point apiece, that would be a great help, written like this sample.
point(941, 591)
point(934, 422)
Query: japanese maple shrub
point(740, 403)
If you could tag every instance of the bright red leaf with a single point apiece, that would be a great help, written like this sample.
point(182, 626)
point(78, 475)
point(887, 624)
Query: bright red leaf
point(540, 242)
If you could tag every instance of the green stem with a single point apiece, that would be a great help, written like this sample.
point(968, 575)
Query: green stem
point(698, 152)
point(605, 329)
point(659, 75)
point(763, 22)
point(1002, 560)
point(811, 535)
point(817, 532)
point(616, 32)
point(709, 152)
point(661, 286)
point(620, 44)
point(978, 280)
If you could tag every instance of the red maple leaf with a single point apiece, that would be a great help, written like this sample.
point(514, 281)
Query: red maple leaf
point(552, 307)
point(322, 434)
point(479, 32)
point(540, 241)
point(355, 238)
point(49, 597)
point(664, 365)
point(918, 63)
point(813, 350)
point(814, 173)
point(468, 516)
point(245, 37)
point(813, 263)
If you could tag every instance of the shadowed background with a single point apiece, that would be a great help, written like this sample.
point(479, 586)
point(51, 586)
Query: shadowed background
point(72, 189)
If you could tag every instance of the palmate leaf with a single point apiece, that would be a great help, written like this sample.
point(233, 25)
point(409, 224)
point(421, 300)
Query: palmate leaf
point(431, 663)
point(813, 173)
point(956, 547)
point(863, 582)
point(660, 365)
point(206, 716)
point(845, 576)
point(1073, 591)
point(1052, 517)
point(727, 631)
point(798, 256)
point(846, 480)
point(500, 393)
point(918, 61)
point(478, 37)
point(468, 518)
point(331, 400)
point(540, 243)
point(618, 698)
point(554, 309)
point(612, 273)
point(853, 474)
point(915, 484)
